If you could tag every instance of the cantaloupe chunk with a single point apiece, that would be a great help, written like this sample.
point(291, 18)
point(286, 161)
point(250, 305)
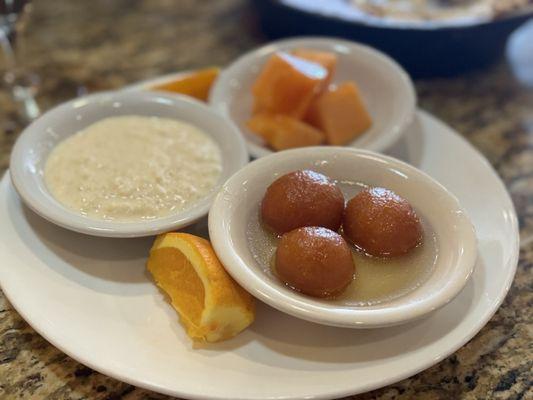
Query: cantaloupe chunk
point(340, 113)
point(263, 125)
point(287, 85)
point(282, 132)
point(196, 84)
point(325, 58)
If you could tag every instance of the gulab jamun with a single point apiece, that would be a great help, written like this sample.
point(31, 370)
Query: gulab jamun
point(302, 198)
point(315, 261)
point(382, 223)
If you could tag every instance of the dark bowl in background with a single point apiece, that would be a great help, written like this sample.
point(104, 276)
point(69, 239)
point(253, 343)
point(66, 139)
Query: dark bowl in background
point(424, 49)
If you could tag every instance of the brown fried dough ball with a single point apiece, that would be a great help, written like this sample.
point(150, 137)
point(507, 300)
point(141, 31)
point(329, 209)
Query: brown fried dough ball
point(382, 223)
point(315, 260)
point(302, 198)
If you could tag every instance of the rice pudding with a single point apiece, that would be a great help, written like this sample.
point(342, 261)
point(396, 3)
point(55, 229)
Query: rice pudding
point(132, 168)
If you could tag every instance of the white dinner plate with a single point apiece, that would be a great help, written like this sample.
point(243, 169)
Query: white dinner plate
point(92, 298)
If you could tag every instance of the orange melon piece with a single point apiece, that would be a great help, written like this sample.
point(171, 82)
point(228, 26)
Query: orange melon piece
point(287, 85)
point(340, 113)
point(263, 125)
point(282, 132)
point(325, 58)
point(196, 84)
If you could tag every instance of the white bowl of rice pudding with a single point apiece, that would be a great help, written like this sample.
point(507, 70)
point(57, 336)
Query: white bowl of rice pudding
point(125, 164)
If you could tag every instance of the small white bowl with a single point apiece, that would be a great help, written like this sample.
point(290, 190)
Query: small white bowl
point(38, 139)
point(386, 89)
point(239, 200)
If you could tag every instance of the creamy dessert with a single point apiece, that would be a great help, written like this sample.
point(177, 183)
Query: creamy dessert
point(132, 168)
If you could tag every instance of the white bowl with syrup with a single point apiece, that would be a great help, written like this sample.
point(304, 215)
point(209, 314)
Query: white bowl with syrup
point(385, 87)
point(247, 252)
point(31, 151)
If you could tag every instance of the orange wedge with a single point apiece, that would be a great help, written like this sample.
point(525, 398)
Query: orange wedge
point(195, 84)
point(211, 305)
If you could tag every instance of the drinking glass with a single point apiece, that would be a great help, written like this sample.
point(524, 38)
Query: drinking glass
point(23, 85)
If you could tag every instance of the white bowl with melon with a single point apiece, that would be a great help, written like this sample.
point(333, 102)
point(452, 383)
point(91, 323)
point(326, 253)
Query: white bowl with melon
point(315, 91)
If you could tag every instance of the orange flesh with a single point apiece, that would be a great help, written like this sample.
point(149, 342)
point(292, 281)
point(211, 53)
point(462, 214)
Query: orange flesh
point(326, 59)
point(282, 132)
point(196, 84)
point(287, 85)
point(172, 270)
point(294, 107)
point(340, 113)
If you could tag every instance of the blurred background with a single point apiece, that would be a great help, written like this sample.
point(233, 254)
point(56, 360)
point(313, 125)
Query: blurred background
point(101, 44)
point(429, 37)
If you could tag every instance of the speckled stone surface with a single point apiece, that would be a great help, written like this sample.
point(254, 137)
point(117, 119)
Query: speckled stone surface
point(82, 46)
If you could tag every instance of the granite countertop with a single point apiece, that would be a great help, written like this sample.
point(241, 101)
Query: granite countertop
point(79, 47)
